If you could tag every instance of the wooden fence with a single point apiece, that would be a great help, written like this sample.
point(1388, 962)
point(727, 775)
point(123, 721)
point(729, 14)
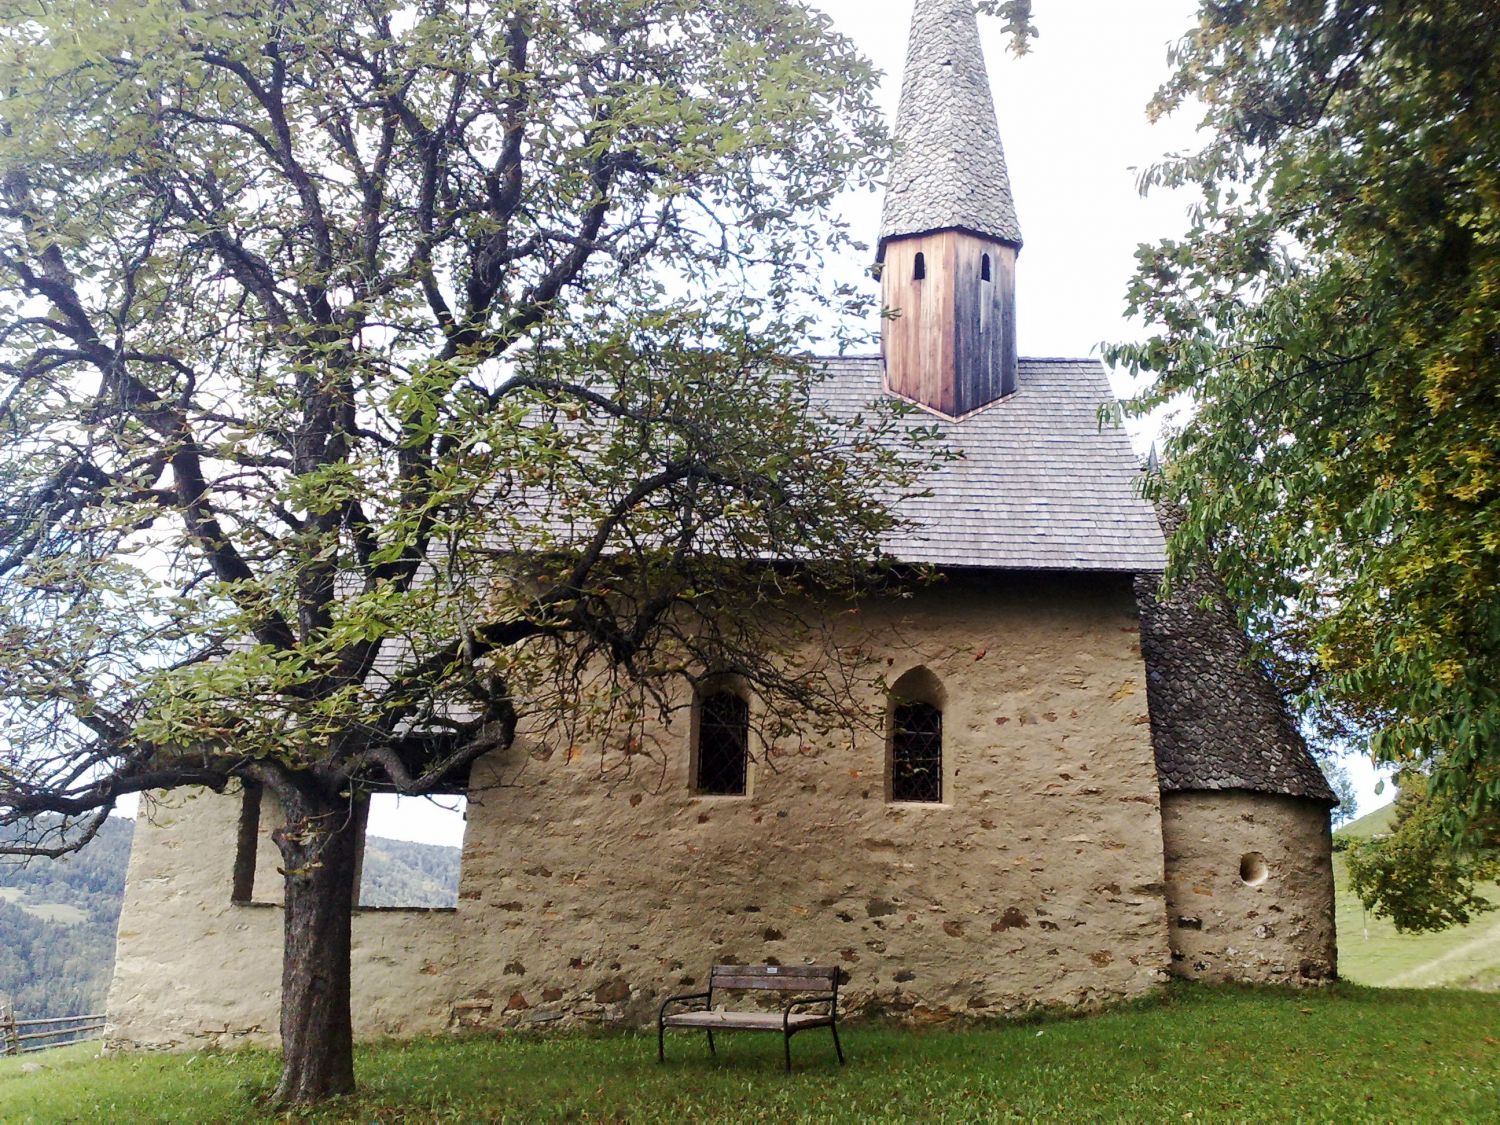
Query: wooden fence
point(19, 1037)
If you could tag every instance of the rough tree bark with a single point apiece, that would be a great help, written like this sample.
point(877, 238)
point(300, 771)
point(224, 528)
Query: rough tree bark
point(318, 845)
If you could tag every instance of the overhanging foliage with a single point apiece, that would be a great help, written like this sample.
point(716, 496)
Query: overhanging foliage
point(1331, 322)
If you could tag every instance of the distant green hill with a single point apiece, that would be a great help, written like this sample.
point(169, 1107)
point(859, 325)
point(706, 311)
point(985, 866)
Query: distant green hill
point(1372, 952)
point(58, 917)
point(1371, 824)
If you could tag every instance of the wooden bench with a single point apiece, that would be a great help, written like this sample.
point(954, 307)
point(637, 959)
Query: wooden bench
point(815, 985)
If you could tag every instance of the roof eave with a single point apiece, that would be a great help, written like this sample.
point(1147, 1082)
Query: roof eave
point(989, 236)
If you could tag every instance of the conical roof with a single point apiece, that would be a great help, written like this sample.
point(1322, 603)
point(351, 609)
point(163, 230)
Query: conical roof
point(1217, 720)
point(949, 166)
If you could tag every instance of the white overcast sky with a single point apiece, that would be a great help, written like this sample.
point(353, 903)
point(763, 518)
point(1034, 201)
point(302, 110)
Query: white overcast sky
point(1073, 120)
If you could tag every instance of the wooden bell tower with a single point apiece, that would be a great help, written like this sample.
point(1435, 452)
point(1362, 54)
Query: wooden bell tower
point(949, 236)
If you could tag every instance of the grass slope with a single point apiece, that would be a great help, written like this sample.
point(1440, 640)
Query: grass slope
point(1371, 952)
point(46, 911)
point(1371, 824)
point(1344, 1053)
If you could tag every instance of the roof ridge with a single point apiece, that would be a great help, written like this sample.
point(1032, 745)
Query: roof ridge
point(1063, 359)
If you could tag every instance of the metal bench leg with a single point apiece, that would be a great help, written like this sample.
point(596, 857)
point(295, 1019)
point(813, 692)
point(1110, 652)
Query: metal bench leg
point(661, 1042)
point(788, 1052)
point(711, 1050)
point(833, 1027)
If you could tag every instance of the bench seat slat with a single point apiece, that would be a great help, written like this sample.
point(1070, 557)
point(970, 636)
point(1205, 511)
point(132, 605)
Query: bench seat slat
point(750, 1021)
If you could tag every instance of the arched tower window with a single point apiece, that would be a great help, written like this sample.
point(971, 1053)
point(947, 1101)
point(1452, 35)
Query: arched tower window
point(916, 746)
point(723, 743)
point(919, 268)
point(984, 268)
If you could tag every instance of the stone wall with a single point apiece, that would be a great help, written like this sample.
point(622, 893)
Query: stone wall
point(590, 889)
point(1037, 881)
point(1249, 887)
point(194, 969)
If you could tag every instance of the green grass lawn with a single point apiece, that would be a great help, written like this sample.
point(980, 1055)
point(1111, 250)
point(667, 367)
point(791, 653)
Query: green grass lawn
point(1194, 1053)
point(1372, 952)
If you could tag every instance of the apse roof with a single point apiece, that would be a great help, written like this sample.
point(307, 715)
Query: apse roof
point(1217, 720)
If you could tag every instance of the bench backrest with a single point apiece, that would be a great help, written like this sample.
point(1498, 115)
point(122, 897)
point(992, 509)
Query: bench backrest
point(774, 978)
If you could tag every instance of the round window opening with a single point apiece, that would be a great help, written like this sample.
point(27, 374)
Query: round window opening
point(1253, 869)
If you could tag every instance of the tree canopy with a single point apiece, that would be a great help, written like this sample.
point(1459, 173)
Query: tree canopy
point(379, 376)
point(1331, 324)
point(1412, 874)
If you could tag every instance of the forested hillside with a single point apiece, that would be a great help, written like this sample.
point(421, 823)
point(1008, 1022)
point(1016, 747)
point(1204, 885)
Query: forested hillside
point(57, 925)
point(58, 916)
point(398, 873)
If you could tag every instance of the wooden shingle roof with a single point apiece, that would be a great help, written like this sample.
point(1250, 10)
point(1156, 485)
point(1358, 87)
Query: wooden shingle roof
point(1217, 720)
point(949, 166)
point(1040, 484)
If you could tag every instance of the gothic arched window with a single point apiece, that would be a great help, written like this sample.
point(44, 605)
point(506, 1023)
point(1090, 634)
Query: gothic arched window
point(722, 744)
point(919, 269)
point(916, 745)
point(984, 268)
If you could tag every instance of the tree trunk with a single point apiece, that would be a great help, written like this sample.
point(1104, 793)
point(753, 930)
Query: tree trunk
point(318, 846)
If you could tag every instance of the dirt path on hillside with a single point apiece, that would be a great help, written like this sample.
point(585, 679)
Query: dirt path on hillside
point(1485, 943)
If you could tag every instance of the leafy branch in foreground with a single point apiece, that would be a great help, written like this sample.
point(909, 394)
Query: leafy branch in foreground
point(1329, 324)
point(1413, 874)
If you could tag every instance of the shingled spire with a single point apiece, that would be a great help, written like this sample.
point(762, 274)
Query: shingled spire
point(949, 237)
point(949, 168)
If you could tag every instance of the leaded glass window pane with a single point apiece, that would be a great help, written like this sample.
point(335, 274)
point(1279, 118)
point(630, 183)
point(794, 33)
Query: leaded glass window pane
point(916, 752)
point(723, 743)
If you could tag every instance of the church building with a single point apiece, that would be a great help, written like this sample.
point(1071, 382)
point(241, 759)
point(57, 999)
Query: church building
point(1080, 789)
